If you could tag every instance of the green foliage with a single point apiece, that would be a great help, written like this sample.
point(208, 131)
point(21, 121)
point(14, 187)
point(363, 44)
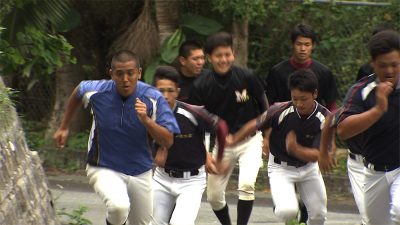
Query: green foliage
point(78, 140)
point(28, 41)
point(5, 104)
point(343, 30)
point(76, 216)
point(251, 10)
point(170, 48)
point(200, 24)
point(37, 52)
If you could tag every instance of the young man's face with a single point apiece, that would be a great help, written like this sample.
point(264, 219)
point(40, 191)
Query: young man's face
point(387, 67)
point(169, 90)
point(125, 75)
point(303, 101)
point(302, 49)
point(192, 65)
point(221, 59)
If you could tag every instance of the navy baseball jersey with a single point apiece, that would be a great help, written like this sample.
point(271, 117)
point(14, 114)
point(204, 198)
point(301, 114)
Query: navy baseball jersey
point(285, 119)
point(236, 97)
point(381, 141)
point(277, 82)
point(188, 151)
point(118, 140)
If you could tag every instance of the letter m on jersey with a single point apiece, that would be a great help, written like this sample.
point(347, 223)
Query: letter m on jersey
point(242, 96)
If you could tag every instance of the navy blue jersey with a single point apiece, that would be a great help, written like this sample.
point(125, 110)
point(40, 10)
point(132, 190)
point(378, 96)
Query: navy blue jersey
point(277, 82)
point(286, 118)
point(236, 97)
point(381, 141)
point(118, 140)
point(188, 151)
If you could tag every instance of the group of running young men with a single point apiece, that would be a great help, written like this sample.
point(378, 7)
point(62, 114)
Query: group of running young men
point(191, 111)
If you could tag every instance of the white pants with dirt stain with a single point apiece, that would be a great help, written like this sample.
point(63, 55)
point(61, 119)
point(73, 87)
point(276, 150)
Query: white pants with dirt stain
point(310, 186)
point(248, 153)
point(127, 198)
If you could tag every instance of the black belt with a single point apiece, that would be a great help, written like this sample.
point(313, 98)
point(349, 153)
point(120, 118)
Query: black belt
point(380, 167)
point(295, 164)
point(181, 174)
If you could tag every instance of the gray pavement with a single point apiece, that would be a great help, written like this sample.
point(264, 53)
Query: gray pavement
point(71, 192)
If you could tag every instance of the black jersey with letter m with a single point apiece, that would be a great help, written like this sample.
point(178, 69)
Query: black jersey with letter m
point(236, 97)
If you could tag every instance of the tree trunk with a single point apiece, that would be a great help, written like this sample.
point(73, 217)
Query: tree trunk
point(167, 16)
point(240, 35)
point(67, 78)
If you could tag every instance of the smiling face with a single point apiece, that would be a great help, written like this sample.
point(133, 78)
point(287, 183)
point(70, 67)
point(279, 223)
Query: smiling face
point(303, 101)
point(302, 49)
point(192, 65)
point(125, 75)
point(387, 67)
point(222, 59)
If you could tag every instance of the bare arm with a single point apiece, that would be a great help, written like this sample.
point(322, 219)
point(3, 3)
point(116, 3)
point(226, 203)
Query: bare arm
point(358, 123)
point(159, 133)
point(326, 158)
point(61, 135)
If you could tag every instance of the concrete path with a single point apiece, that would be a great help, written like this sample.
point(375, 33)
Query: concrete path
point(71, 192)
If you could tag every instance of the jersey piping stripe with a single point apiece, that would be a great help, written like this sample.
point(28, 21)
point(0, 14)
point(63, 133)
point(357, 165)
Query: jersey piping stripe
point(350, 99)
point(285, 113)
point(365, 92)
point(188, 115)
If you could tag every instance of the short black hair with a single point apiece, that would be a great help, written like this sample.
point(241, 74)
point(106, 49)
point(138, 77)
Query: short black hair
point(217, 40)
point(383, 42)
point(303, 30)
point(125, 56)
point(381, 27)
point(188, 46)
point(166, 73)
point(304, 80)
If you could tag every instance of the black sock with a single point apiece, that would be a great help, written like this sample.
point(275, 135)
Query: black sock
point(244, 209)
point(223, 215)
point(108, 223)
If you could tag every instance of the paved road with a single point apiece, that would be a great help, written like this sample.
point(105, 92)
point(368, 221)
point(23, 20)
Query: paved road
point(71, 192)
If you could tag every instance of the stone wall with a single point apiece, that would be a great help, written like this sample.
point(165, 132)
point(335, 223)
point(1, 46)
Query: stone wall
point(24, 194)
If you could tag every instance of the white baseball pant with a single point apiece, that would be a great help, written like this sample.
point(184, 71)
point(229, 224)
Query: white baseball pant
point(186, 193)
point(127, 198)
point(248, 153)
point(355, 170)
point(310, 185)
point(382, 197)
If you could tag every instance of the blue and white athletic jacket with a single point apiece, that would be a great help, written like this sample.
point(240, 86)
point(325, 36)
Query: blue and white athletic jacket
point(118, 140)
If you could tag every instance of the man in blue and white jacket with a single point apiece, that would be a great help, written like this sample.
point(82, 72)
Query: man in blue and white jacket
point(125, 112)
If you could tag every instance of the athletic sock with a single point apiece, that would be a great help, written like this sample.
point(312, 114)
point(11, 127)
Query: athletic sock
point(223, 215)
point(108, 223)
point(244, 209)
point(303, 214)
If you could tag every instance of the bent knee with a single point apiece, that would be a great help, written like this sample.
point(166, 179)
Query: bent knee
point(286, 213)
point(395, 214)
point(118, 213)
point(246, 191)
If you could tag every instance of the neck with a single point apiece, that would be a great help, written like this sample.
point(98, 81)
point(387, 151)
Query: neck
point(186, 73)
point(299, 64)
